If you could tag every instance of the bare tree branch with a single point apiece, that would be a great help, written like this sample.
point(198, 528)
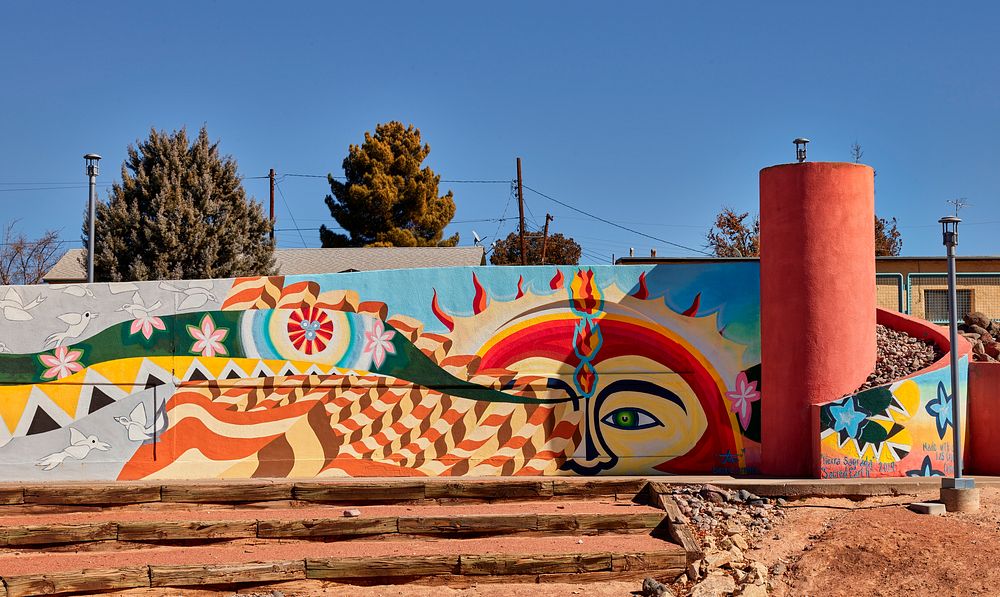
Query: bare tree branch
point(25, 261)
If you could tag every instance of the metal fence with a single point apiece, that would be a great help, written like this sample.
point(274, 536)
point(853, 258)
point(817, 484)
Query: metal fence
point(889, 291)
point(926, 295)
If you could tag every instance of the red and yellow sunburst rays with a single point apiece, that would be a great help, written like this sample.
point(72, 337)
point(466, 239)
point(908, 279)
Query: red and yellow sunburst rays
point(585, 294)
point(310, 329)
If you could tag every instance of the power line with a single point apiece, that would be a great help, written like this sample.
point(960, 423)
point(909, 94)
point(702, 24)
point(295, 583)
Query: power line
point(616, 225)
point(449, 181)
point(82, 186)
point(503, 215)
point(292, 215)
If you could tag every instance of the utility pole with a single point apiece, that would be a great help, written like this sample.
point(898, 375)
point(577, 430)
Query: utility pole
point(520, 207)
point(545, 236)
point(270, 176)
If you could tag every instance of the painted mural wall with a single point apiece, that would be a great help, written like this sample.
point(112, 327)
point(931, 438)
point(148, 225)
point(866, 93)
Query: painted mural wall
point(900, 429)
point(443, 372)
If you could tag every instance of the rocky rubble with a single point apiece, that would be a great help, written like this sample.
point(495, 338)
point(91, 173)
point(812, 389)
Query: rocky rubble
point(728, 524)
point(898, 354)
point(984, 334)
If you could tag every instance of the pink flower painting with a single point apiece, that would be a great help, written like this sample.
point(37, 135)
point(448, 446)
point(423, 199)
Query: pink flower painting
point(146, 324)
point(378, 343)
point(742, 398)
point(208, 338)
point(62, 363)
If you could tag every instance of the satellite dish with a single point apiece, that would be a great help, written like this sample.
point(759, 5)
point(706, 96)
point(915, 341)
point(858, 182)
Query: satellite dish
point(477, 241)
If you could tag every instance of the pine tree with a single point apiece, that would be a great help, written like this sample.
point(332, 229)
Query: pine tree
point(180, 212)
point(387, 199)
point(559, 250)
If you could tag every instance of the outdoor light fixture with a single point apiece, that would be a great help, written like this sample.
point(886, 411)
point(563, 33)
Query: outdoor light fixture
point(949, 235)
point(92, 160)
point(800, 149)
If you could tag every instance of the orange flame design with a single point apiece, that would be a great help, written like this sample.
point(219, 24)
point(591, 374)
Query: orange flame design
point(440, 314)
point(479, 300)
point(642, 293)
point(586, 294)
point(557, 281)
point(588, 340)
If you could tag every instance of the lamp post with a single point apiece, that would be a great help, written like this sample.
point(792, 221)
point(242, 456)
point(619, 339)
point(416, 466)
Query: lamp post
point(800, 149)
point(949, 234)
point(957, 493)
point(92, 160)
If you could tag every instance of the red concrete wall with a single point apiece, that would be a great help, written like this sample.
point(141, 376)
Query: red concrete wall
point(982, 446)
point(817, 293)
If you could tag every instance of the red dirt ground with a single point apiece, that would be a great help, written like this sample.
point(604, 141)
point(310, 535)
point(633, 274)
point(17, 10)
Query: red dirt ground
point(838, 548)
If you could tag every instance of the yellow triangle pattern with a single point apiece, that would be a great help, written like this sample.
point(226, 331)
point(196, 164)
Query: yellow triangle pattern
point(13, 399)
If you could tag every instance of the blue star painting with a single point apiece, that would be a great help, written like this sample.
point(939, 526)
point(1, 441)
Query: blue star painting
point(925, 470)
point(846, 418)
point(940, 409)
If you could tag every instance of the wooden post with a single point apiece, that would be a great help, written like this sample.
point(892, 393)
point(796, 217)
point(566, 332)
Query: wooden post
point(270, 176)
point(545, 236)
point(520, 207)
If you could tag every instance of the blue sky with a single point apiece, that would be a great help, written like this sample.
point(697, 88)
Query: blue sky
point(653, 115)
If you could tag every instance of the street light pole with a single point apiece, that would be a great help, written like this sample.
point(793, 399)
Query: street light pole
point(949, 230)
point(92, 160)
point(958, 494)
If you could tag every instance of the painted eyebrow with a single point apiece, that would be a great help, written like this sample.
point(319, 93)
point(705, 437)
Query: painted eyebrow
point(645, 387)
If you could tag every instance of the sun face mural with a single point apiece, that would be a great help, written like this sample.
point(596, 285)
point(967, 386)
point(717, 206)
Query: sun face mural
point(449, 372)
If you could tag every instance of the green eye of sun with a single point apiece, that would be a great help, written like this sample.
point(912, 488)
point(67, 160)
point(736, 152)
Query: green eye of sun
point(631, 419)
point(625, 418)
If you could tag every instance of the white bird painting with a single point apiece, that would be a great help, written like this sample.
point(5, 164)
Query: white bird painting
point(121, 287)
point(135, 424)
point(3, 347)
point(78, 291)
point(77, 322)
point(14, 309)
point(79, 447)
point(196, 295)
point(138, 309)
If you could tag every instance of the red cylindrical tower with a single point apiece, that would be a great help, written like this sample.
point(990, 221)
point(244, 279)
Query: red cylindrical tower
point(817, 299)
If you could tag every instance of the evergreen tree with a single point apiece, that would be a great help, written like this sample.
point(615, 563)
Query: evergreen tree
point(387, 199)
point(559, 250)
point(180, 212)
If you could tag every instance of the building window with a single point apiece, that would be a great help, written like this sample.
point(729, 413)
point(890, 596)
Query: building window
point(936, 304)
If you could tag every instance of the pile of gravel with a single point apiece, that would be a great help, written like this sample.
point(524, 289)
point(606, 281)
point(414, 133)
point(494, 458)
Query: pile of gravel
point(898, 355)
point(982, 332)
point(711, 508)
point(727, 524)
